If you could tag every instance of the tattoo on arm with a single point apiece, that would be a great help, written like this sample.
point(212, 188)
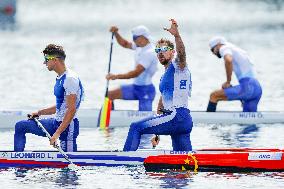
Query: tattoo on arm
point(181, 55)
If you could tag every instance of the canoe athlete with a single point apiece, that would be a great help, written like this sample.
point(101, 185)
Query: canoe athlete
point(175, 88)
point(68, 91)
point(236, 60)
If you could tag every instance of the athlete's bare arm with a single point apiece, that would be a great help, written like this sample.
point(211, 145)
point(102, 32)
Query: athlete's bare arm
point(131, 74)
point(121, 41)
point(229, 70)
point(46, 111)
point(180, 48)
point(160, 106)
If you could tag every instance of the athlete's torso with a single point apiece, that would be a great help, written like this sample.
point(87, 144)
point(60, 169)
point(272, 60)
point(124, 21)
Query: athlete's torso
point(175, 87)
point(242, 66)
point(66, 84)
point(146, 57)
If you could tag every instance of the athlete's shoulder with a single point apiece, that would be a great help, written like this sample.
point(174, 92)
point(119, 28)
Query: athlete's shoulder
point(149, 50)
point(226, 49)
point(148, 55)
point(71, 74)
point(71, 78)
point(175, 64)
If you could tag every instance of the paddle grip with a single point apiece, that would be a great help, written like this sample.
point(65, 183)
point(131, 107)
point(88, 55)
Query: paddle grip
point(30, 116)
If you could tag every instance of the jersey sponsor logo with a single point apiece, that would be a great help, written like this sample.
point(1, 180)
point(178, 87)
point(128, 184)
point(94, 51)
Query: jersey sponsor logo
point(182, 84)
point(265, 156)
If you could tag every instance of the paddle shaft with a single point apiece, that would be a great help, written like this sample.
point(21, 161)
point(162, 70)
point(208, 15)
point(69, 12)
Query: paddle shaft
point(103, 119)
point(56, 145)
point(109, 63)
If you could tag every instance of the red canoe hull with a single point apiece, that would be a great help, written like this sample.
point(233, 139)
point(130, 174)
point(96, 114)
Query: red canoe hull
point(223, 160)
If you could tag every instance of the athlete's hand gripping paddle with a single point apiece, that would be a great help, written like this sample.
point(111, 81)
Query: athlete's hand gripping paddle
point(71, 165)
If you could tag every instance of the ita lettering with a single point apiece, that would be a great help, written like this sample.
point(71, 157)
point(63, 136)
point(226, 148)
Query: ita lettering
point(182, 84)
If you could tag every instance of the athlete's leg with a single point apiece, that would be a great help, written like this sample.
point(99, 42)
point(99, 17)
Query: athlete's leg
point(181, 138)
point(152, 125)
point(250, 105)
point(115, 94)
point(231, 93)
point(248, 92)
point(68, 145)
point(215, 96)
point(146, 95)
point(181, 142)
point(123, 92)
point(253, 96)
point(145, 105)
point(30, 126)
point(68, 137)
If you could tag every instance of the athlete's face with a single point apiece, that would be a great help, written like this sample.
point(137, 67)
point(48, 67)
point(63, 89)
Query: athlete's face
point(164, 53)
point(140, 41)
point(216, 51)
point(50, 62)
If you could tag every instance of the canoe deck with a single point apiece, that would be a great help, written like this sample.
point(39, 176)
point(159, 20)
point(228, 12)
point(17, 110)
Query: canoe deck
point(217, 160)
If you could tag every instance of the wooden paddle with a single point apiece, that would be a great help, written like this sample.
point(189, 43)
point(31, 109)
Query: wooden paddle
point(104, 115)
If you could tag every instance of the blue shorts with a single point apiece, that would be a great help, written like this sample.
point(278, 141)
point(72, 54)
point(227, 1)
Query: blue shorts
point(178, 124)
point(248, 92)
point(145, 94)
point(67, 137)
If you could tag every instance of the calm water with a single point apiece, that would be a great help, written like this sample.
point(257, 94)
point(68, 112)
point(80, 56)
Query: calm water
point(82, 28)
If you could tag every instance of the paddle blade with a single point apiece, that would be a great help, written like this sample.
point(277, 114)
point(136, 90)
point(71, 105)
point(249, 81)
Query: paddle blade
point(104, 118)
point(74, 167)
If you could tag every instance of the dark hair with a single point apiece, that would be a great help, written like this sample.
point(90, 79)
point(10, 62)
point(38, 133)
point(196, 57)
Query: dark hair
point(168, 42)
point(55, 50)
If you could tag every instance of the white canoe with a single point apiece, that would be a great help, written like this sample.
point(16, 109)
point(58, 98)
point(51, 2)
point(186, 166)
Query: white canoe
point(89, 117)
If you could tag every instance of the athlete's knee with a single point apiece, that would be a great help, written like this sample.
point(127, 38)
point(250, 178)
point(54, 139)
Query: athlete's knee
point(135, 126)
point(20, 127)
point(216, 96)
point(145, 105)
point(114, 94)
point(110, 95)
point(213, 96)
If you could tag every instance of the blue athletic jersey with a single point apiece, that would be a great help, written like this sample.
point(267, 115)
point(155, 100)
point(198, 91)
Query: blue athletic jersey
point(66, 84)
point(175, 86)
